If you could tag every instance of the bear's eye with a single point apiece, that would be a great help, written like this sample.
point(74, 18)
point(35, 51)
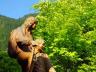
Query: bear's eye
point(34, 45)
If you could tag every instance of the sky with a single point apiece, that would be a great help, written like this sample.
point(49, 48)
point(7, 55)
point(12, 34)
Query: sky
point(16, 8)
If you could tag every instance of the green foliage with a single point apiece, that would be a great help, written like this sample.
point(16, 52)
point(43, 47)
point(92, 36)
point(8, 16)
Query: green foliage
point(68, 28)
point(8, 64)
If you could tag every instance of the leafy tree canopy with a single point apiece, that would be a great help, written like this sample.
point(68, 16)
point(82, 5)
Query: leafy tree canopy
point(69, 30)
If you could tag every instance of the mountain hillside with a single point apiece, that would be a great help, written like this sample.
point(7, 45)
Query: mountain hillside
point(6, 24)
